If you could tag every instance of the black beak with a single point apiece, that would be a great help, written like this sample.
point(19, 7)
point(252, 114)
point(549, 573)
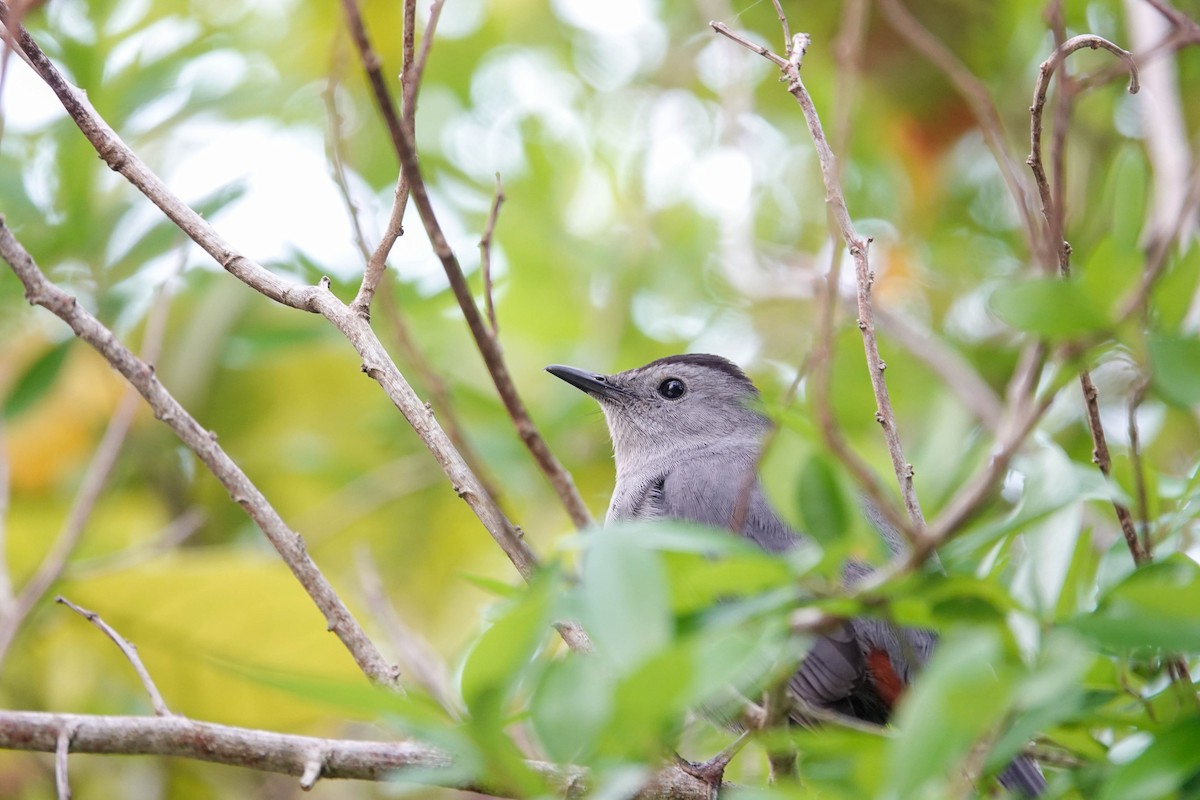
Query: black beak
point(598, 386)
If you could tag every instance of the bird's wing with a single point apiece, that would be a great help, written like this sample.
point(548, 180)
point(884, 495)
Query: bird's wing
point(861, 668)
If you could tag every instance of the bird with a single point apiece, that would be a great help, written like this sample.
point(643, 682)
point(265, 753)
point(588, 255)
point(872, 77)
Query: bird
point(687, 436)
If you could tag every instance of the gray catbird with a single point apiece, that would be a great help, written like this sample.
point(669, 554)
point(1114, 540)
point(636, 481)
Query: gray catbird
point(686, 439)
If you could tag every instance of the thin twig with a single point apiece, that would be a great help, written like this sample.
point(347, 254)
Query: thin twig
point(40, 291)
point(1064, 104)
point(1139, 474)
point(374, 69)
point(723, 29)
point(316, 299)
point(847, 49)
point(485, 256)
point(979, 98)
point(62, 748)
point(411, 72)
point(1103, 460)
point(376, 262)
point(130, 652)
point(420, 660)
point(857, 246)
point(94, 480)
point(783, 23)
point(334, 141)
point(412, 85)
point(488, 345)
point(6, 588)
point(1053, 212)
point(1177, 18)
point(1052, 215)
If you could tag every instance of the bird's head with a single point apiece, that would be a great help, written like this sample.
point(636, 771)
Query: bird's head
point(673, 405)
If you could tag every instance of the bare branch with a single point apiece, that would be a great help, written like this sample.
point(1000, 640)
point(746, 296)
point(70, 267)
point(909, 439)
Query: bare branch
point(722, 29)
point(489, 346)
point(130, 652)
point(955, 371)
point(287, 754)
point(857, 246)
point(62, 746)
point(976, 94)
point(419, 660)
point(6, 588)
point(1177, 18)
point(1053, 212)
point(410, 85)
point(1103, 460)
point(1049, 210)
point(94, 480)
point(416, 71)
point(485, 256)
point(40, 291)
point(783, 23)
point(373, 67)
point(1139, 474)
point(316, 299)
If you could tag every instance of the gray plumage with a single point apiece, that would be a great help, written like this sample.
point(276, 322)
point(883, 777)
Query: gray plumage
point(686, 437)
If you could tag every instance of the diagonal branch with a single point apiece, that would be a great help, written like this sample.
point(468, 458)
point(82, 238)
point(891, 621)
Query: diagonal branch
point(485, 339)
point(94, 480)
point(315, 299)
point(130, 652)
point(40, 291)
point(488, 344)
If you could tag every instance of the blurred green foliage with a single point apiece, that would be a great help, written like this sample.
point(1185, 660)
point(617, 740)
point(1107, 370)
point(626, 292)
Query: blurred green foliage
point(662, 196)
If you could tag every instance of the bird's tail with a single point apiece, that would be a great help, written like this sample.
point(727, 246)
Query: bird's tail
point(1024, 777)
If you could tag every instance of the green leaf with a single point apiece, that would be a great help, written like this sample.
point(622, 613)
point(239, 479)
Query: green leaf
point(1157, 606)
point(1171, 761)
point(961, 694)
point(36, 380)
point(1129, 178)
point(1111, 269)
point(1172, 295)
point(491, 585)
point(497, 660)
point(1049, 307)
point(698, 581)
point(823, 506)
point(570, 707)
point(1175, 364)
point(626, 602)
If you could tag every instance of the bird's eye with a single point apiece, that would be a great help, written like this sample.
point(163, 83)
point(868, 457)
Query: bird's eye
point(671, 388)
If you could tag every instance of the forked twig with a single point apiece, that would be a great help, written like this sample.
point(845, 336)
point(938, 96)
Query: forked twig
point(130, 652)
point(857, 246)
point(485, 256)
